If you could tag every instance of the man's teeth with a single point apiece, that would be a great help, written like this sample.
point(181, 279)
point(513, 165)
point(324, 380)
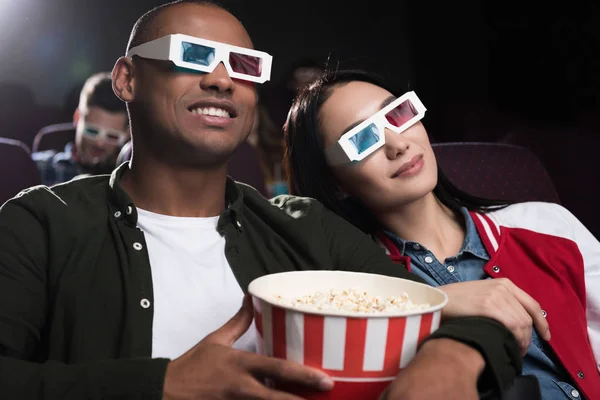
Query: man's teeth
point(215, 112)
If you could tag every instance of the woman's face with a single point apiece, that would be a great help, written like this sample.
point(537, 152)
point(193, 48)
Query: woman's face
point(401, 171)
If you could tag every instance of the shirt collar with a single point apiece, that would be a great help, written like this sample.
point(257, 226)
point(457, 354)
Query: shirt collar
point(472, 243)
point(120, 202)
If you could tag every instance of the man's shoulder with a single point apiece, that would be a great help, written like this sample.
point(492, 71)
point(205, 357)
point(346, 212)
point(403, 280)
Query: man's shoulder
point(54, 156)
point(91, 184)
point(83, 194)
point(45, 156)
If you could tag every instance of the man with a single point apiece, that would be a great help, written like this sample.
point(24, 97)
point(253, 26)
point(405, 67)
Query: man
point(101, 129)
point(122, 287)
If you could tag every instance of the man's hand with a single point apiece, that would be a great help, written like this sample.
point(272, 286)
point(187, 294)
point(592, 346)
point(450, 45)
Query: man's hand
point(213, 370)
point(499, 299)
point(442, 369)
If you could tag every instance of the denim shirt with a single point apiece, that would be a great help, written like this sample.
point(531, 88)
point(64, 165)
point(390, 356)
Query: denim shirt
point(468, 265)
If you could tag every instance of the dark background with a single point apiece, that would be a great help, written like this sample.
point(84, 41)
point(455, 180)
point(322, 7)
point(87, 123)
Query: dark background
point(536, 62)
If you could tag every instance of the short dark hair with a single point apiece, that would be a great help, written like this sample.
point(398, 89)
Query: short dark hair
point(98, 92)
point(144, 30)
point(309, 174)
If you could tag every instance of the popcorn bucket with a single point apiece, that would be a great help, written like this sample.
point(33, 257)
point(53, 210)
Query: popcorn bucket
point(362, 352)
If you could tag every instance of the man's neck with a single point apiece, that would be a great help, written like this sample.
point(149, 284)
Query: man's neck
point(176, 190)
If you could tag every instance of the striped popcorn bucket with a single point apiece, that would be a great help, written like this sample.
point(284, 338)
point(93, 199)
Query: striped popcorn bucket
point(361, 352)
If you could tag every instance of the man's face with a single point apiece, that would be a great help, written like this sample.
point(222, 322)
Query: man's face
point(170, 105)
point(100, 134)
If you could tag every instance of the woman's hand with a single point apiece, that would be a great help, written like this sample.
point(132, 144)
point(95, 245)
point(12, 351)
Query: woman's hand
point(499, 299)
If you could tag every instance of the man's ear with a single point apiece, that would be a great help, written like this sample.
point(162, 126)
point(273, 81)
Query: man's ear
point(123, 82)
point(76, 116)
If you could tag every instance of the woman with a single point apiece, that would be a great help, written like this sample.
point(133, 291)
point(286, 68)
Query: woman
point(364, 153)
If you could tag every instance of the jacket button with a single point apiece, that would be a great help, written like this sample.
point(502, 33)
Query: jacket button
point(129, 210)
point(575, 393)
point(496, 269)
point(137, 246)
point(580, 375)
point(428, 260)
point(117, 214)
point(145, 303)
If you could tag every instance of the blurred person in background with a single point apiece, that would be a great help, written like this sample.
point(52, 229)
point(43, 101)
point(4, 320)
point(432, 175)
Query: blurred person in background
point(267, 134)
point(267, 140)
point(277, 97)
point(101, 130)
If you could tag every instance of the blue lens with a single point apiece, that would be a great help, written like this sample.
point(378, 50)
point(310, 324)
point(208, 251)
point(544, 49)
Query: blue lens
point(197, 54)
point(91, 131)
point(365, 138)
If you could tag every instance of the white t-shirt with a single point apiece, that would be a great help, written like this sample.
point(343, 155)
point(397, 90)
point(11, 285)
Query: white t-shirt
point(195, 291)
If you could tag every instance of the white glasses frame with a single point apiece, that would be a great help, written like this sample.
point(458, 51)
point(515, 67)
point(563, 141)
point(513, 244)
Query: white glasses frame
point(344, 151)
point(168, 48)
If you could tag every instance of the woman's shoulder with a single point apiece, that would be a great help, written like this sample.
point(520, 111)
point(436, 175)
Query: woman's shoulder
point(538, 216)
point(536, 207)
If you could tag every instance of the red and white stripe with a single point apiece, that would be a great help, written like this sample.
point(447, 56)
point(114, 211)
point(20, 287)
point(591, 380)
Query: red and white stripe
point(348, 349)
point(491, 229)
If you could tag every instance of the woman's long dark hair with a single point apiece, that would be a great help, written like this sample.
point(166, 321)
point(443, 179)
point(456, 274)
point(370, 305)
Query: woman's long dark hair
point(309, 174)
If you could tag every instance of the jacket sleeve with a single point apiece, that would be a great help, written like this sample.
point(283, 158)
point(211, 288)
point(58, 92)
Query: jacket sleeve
point(589, 247)
point(23, 311)
point(353, 250)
